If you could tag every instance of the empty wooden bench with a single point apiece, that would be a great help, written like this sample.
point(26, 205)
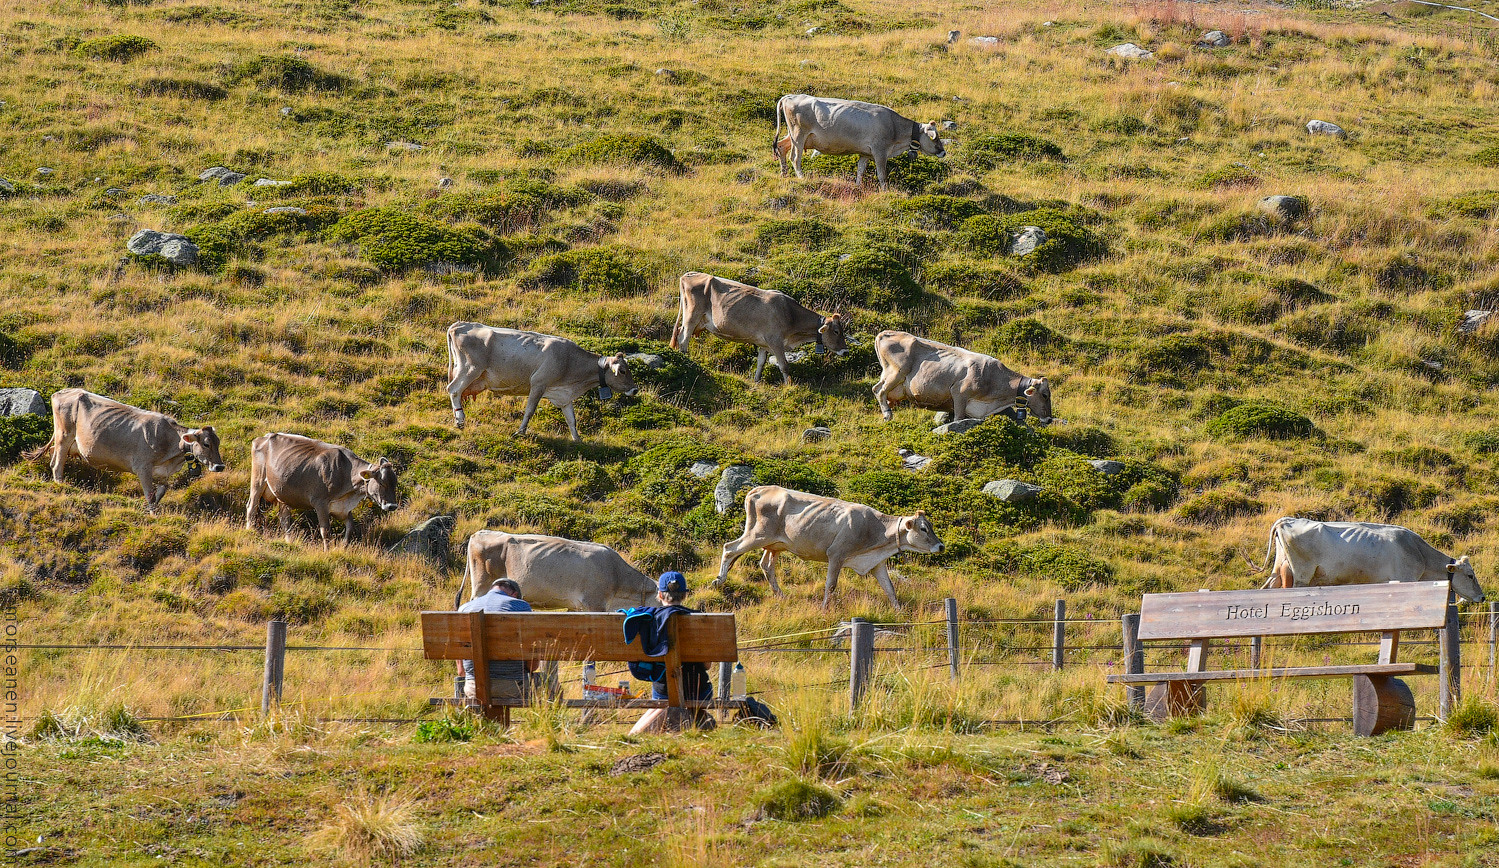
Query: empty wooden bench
point(597, 636)
point(1381, 701)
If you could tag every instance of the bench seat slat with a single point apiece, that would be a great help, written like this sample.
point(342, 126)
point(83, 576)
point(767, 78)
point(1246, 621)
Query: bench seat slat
point(730, 704)
point(702, 638)
point(1287, 672)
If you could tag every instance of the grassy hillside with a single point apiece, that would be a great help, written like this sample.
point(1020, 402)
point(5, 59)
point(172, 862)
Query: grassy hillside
point(556, 167)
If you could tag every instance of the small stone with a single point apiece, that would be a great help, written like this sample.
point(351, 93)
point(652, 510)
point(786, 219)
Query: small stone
point(409, 147)
point(807, 64)
point(157, 199)
point(734, 478)
point(120, 217)
point(115, 192)
point(959, 427)
point(431, 540)
point(6, 186)
point(816, 434)
point(1130, 50)
point(636, 763)
point(941, 417)
point(286, 111)
point(812, 30)
point(1214, 39)
point(23, 402)
point(1325, 128)
point(444, 183)
point(180, 251)
point(1107, 467)
point(44, 171)
point(984, 41)
point(1288, 207)
point(1048, 24)
point(1011, 490)
point(949, 125)
point(650, 360)
point(1027, 240)
point(269, 182)
point(1473, 320)
point(953, 36)
point(911, 460)
point(286, 209)
point(703, 469)
point(795, 356)
point(225, 177)
point(666, 73)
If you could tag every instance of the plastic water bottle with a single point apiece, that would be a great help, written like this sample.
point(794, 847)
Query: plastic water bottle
point(589, 674)
point(736, 682)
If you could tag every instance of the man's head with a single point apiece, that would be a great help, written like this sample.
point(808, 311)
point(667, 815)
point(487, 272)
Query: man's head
point(671, 589)
point(508, 587)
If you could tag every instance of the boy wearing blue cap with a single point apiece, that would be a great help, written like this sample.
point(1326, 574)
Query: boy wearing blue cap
point(671, 590)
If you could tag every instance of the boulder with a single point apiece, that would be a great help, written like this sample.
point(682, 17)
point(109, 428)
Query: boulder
point(666, 73)
point(432, 539)
point(1287, 207)
point(941, 417)
point(984, 41)
point(911, 460)
point(115, 192)
point(409, 147)
point(949, 125)
point(1214, 39)
point(958, 427)
point(286, 209)
point(23, 402)
point(816, 434)
point(444, 183)
point(650, 360)
point(157, 199)
point(1107, 467)
point(1130, 50)
point(271, 182)
point(1473, 320)
point(1027, 240)
point(1012, 490)
point(734, 478)
point(225, 177)
point(6, 186)
point(44, 171)
point(703, 469)
point(1325, 128)
point(180, 251)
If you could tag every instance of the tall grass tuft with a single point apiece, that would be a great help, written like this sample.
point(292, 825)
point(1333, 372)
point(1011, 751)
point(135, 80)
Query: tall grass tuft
point(810, 748)
point(1474, 715)
point(548, 718)
point(370, 827)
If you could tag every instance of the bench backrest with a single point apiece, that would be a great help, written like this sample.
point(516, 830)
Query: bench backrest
point(699, 638)
point(1383, 608)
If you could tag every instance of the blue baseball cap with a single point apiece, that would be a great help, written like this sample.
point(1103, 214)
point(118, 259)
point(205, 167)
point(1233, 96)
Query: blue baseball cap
point(673, 582)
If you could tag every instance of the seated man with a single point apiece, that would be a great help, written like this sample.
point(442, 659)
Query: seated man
point(671, 590)
point(507, 678)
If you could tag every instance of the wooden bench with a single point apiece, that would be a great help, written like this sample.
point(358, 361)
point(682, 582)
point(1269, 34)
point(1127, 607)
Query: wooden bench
point(1381, 701)
point(597, 636)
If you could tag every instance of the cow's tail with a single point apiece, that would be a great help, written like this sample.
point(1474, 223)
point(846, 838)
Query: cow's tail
point(452, 353)
point(775, 138)
point(41, 453)
point(676, 328)
point(1274, 554)
point(462, 582)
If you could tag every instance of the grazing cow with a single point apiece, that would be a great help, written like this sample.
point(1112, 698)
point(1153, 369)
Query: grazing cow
point(538, 366)
point(840, 126)
point(769, 320)
point(933, 374)
point(837, 532)
point(555, 573)
point(1311, 553)
point(301, 473)
point(119, 437)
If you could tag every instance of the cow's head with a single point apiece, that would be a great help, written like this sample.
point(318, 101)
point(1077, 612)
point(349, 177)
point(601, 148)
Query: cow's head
point(831, 334)
point(380, 484)
point(1464, 580)
point(203, 444)
point(916, 535)
point(928, 140)
point(1038, 399)
point(614, 374)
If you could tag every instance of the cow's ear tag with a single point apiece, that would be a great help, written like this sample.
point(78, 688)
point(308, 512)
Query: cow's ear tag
point(605, 393)
point(366, 474)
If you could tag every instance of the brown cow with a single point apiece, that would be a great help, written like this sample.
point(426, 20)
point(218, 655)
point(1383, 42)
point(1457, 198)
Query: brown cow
point(769, 320)
point(301, 473)
point(554, 572)
point(119, 437)
point(841, 126)
point(538, 366)
point(826, 529)
point(933, 374)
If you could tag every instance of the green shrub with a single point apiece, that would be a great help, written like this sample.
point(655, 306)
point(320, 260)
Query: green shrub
point(21, 434)
point(1235, 175)
point(793, 474)
point(807, 233)
point(996, 443)
point(397, 241)
point(609, 271)
point(257, 224)
point(311, 184)
point(939, 212)
point(797, 799)
point(1483, 442)
point(991, 152)
point(1242, 226)
point(182, 88)
point(443, 731)
point(1473, 716)
point(989, 280)
point(287, 74)
point(1488, 157)
point(649, 414)
point(1028, 334)
point(116, 48)
point(1068, 241)
point(1480, 205)
point(1257, 419)
point(909, 173)
point(1069, 566)
point(13, 353)
point(1218, 506)
point(622, 149)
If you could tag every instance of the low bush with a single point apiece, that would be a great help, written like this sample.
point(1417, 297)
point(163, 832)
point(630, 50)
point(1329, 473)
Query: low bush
point(798, 799)
point(1474, 716)
point(909, 173)
point(938, 212)
point(1258, 419)
point(1235, 175)
point(1069, 566)
point(807, 233)
point(988, 280)
point(1488, 157)
point(832, 279)
point(443, 731)
point(1069, 242)
point(21, 434)
point(1028, 334)
point(627, 150)
point(1479, 205)
point(1218, 506)
point(609, 271)
point(1242, 226)
point(117, 48)
point(286, 74)
point(397, 241)
point(991, 152)
point(181, 88)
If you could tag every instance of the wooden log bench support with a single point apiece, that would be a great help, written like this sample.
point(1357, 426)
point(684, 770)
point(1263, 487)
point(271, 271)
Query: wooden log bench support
point(597, 636)
point(1381, 700)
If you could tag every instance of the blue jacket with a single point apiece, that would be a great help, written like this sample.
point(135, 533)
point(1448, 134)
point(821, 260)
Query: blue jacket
point(648, 624)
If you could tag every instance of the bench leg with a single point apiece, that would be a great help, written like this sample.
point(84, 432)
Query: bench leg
point(1380, 704)
point(1175, 699)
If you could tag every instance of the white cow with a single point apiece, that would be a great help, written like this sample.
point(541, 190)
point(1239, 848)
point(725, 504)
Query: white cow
point(841, 126)
point(933, 374)
point(1311, 553)
point(554, 572)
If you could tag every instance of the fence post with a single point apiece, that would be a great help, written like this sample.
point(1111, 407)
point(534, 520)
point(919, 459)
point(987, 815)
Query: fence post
point(951, 606)
point(1451, 689)
point(1059, 636)
point(725, 677)
point(1134, 659)
point(860, 661)
point(1256, 647)
point(275, 665)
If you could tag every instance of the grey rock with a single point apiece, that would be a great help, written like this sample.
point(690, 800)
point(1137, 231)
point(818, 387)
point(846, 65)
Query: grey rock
point(1472, 320)
point(816, 434)
point(941, 417)
point(1027, 240)
point(1107, 467)
point(1130, 50)
point(1325, 128)
point(118, 218)
point(1048, 24)
point(953, 36)
point(115, 192)
point(286, 209)
point(444, 183)
point(650, 360)
point(44, 171)
point(911, 460)
point(443, 268)
point(180, 251)
point(22, 402)
point(148, 241)
point(157, 199)
point(410, 147)
point(1214, 39)
point(703, 469)
point(1289, 207)
point(807, 64)
point(6, 186)
point(286, 111)
point(958, 427)
point(225, 177)
point(813, 30)
point(795, 356)
point(271, 182)
point(1011, 490)
point(666, 73)
point(949, 125)
point(734, 478)
point(984, 41)
point(431, 540)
